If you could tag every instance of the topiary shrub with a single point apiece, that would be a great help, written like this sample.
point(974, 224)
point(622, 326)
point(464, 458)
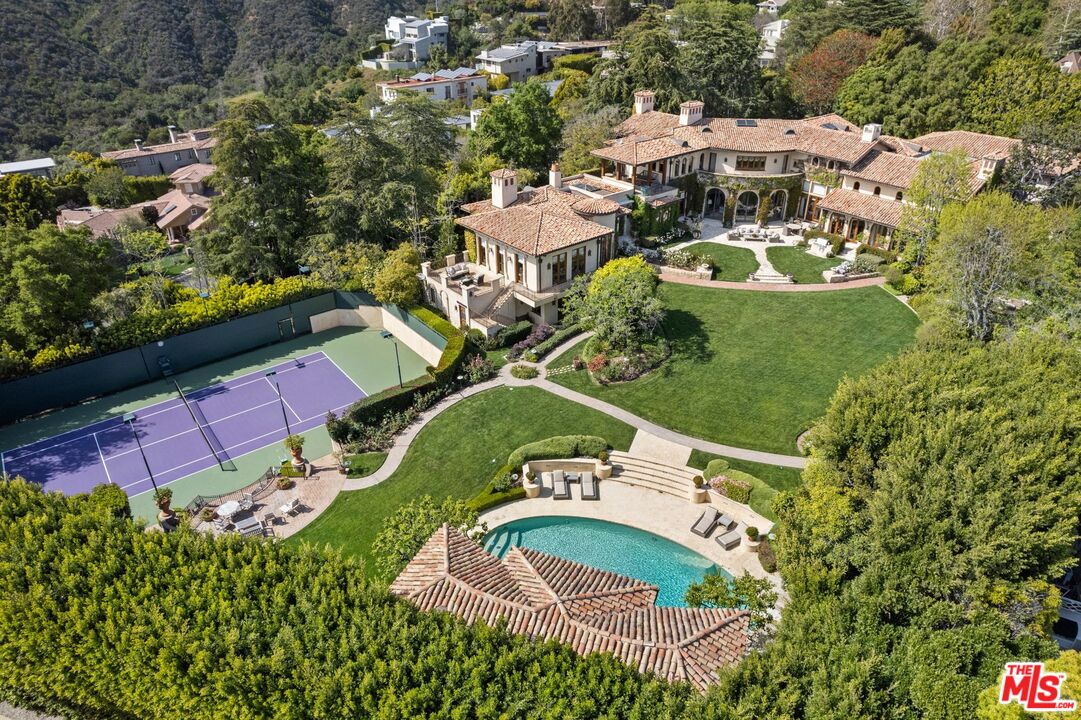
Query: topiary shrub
point(767, 557)
point(715, 467)
point(560, 446)
point(524, 372)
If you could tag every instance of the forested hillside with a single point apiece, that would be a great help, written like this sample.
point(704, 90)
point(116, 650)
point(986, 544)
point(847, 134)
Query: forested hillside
point(91, 73)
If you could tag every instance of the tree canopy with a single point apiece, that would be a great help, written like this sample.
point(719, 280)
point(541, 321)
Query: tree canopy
point(522, 131)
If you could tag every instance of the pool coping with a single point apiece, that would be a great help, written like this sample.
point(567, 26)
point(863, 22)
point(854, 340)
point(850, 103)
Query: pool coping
point(647, 510)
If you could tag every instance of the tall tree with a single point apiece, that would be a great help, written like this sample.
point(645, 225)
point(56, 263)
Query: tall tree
point(25, 201)
point(817, 76)
point(1041, 167)
point(939, 180)
point(267, 172)
point(877, 16)
point(1019, 90)
point(584, 134)
point(571, 20)
point(646, 58)
point(720, 66)
point(523, 130)
point(618, 14)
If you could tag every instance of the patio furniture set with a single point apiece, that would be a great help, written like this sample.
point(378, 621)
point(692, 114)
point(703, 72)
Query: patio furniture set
point(561, 482)
point(759, 234)
point(252, 524)
point(711, 519)
point(461, 273)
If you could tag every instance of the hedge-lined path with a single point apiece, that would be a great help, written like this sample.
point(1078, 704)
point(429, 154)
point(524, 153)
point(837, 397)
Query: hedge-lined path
point(402, 442)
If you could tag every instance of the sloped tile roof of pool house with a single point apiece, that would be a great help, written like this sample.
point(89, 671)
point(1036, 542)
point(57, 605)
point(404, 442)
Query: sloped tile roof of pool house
point(591, 610)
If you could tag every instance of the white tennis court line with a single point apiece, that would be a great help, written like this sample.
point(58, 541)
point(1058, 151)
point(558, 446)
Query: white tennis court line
point(159, 412)
point(206, 457)
point(277, 391)
point(347, 376)
point(100, 455)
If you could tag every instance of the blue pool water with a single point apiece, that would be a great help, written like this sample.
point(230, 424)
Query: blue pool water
point(609, 546)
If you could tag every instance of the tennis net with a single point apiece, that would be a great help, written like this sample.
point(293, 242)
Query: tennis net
point(206, 430)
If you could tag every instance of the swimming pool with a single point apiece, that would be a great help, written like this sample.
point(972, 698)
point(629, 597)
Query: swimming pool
point(609, 546)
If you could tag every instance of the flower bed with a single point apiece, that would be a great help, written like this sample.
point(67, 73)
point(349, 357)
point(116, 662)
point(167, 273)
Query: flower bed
point(606, 367)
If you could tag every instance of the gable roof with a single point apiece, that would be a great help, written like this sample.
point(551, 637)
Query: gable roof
point(188, 143)
point(867, 207)
point(975, 145)
point(547, 597)
point(196, 172)
point(888, 168)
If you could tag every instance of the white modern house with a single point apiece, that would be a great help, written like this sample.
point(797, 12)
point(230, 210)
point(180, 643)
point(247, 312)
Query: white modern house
point(527, 246)
point(771, 33)
point(40, 167)
point(463, 84)
point(414, 37)
point(521, 61)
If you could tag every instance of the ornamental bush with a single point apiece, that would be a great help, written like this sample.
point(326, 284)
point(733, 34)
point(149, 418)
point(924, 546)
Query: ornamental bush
point(557, 339)
point(734, 485)
point(524, 372)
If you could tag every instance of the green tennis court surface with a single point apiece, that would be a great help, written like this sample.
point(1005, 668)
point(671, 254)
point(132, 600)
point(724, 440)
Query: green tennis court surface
point(361, 353)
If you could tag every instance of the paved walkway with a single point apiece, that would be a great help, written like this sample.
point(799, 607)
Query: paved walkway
point(651, 447)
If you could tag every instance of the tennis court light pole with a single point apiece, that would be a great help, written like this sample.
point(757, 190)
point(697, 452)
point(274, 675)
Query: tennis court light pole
point(130, 420)
point(387, 335)
point(281, 401)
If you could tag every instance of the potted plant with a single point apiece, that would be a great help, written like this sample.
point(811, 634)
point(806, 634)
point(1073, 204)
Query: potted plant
point(166, 517)
point(339, 456)
point(699, 494)
point(207, 514)
point(295, 445)
point(530, 485)
point(284, 482)
point(604, 470)
point(753, 539)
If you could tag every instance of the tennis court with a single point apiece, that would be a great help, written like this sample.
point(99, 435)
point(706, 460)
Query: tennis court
point(194, 431)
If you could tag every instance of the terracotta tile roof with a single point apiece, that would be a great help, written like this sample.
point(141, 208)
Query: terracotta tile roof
point(534, 230)
point(888, 168)
point(975, 145)
point(483, 206)
point(504, 173)
point(197, 172)
point(591, 610)
point(175, 205)
point(867, 207)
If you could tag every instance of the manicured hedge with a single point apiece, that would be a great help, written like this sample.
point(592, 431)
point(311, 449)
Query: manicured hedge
point(510, 334)
point(887, 255)
point(553, 448)
point(558, 338)
point(102, 620)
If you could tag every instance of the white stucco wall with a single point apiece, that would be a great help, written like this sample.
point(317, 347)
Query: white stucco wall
point(377, 317)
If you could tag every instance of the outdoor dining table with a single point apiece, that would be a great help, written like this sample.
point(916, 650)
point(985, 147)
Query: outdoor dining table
point(228, 509)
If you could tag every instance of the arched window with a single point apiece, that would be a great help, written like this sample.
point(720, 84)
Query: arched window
point(829, 165)
point(814, 160)
point(856, 185)
point(878, 190)
point(899, 196)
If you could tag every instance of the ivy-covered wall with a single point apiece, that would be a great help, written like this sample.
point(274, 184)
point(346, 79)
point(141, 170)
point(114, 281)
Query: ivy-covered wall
point(764, 186)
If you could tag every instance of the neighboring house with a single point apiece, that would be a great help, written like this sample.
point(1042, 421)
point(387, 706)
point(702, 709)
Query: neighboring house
point(42, 167)
point(548, 598)
point(771, 6)
point(771, 35)
point(1070, 63)
point(183, 149)
point(462, 84)
point(824, 168)
point(521, 61)
point(529, 245)
point(414, 37)
point(184, 208)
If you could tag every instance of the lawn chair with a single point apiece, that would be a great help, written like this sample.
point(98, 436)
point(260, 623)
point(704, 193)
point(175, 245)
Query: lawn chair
point(269, 518)
point(589, 487)
point(290, 508)
point(247, 502)
point(706, 522)
point(732, 538)
point(561, 490)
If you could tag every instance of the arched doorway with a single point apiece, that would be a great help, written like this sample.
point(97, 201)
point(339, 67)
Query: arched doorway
point(714, 206)
point(778, 204)
point(746, 206)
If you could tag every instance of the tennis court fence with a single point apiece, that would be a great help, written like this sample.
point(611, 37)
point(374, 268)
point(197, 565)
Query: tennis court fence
point(261, 488)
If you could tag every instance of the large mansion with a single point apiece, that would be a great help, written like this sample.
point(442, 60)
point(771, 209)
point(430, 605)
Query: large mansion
point(528, 244)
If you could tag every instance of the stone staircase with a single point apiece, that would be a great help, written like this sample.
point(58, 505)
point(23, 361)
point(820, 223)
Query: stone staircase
point(492, 311)
point(653, 475)
point(770, 277)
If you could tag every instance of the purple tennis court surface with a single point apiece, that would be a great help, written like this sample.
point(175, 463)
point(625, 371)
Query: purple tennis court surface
point(237, 417)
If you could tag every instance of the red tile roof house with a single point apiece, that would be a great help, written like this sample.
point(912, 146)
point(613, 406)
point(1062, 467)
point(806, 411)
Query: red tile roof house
point(824, 168)
point(591, 610)
point(529, 245)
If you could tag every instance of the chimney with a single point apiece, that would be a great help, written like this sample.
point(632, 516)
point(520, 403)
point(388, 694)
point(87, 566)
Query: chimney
point(643, 102)
point(172, 133)
point(138, 143)
point(988, 166)
point(504, 188)
point(690, 112)
point(555, 178)
point(871, 132)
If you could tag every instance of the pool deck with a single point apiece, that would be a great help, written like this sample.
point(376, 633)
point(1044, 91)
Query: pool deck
point(644, 509)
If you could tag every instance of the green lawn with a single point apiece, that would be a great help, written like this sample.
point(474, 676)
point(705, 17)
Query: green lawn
point(364, 464)
point(754, 369)
point(456, 455)
point(732, 263)
point(805, 268)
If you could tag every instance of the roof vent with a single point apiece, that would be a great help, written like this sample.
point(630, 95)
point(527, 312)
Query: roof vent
point(789, 131)
point(707, 129)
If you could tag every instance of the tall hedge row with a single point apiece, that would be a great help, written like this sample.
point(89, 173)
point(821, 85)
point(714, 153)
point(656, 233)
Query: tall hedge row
point(101, 620)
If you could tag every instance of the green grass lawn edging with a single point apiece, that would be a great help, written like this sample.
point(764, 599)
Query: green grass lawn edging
point(455, 455)
point(755, 369)
point(364, 464)
point(806, 269)
point(732, 264)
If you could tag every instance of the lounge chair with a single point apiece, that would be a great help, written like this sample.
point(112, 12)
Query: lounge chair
point(290, 508)
point(589, 487)
point(732, 538)
point(247, 502)
point(455, 271)
point(561, 490)
point(705, 523)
